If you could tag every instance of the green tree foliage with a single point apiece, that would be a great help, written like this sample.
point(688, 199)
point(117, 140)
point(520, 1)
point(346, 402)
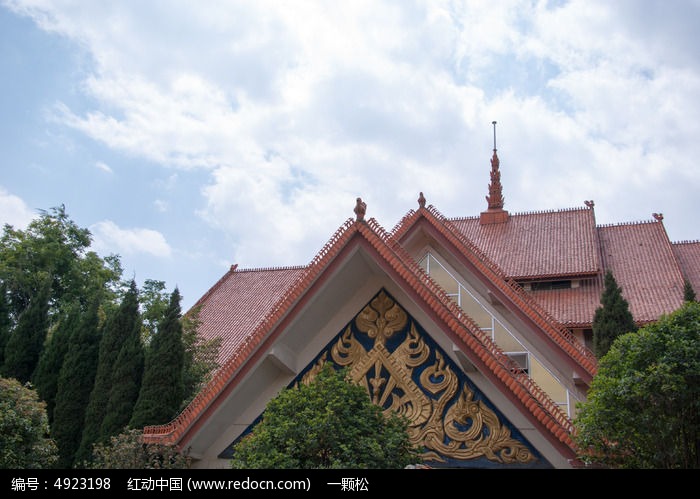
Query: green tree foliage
point(51, 245)
point(25, 343)
point(643, 407)
point(154, 303)
point(126, 385)
point(329, 423)
point(75, 382)
point(45, 378)
point(162, 389)
point(128, 451)
point(688, 291)
point(612, 318)
point(24, 428)
point(201, 356)
point(119, 326)
point(5, 322)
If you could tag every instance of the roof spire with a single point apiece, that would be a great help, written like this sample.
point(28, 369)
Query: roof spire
point(495, 212)
point(495, 197)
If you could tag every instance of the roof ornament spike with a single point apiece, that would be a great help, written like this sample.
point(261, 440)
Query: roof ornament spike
point(494, 135)
point(421, 200)
point(360, 210)
point(495, 197)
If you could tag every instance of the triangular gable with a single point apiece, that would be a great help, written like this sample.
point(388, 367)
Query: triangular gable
point(543, 414)
point(404, 370)
point(505, 290)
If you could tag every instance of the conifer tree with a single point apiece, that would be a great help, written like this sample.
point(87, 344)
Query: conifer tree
point(45, 378)
point(75, 382)
point(688, 292)
point(162, 390)
point(120, 326)
point(126, 385)
point(612, 318)
point(27, 340)
point(5, 321)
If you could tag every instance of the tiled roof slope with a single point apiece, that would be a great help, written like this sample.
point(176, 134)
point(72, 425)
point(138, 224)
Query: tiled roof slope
point(642, 260)
point(688, 254)
point(573, 307)
point(538, 244)
point(238, 302)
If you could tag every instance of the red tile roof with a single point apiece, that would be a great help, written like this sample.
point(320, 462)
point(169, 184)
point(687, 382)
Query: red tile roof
point(238, 302)
point(574, 307)
point(688, 254)
point(643, 263)
point(538, 244)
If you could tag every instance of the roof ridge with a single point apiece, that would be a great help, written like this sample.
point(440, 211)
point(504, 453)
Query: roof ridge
point(268, 269)
point(686, 241)
point(625, 224)
point(521, 213)
point(553, 210)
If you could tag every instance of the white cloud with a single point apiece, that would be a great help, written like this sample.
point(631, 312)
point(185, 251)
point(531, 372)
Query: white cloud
point(297, 108)
point(14, 211)
point(101, 165)
point(108, 238)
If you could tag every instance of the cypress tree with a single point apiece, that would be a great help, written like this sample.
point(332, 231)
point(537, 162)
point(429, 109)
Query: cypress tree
point(126, 385)
point(118, 328)
point(45, 376)
point(688, 291)
point(5, 321)
point(612, 318)
point(75, 382)
point(162, 390)
point(27, 340)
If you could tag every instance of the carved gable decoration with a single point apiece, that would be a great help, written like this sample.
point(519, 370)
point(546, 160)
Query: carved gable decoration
point(405, 371)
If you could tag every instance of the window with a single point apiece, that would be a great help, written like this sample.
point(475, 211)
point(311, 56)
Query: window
point(539, 286)
point(522, 361)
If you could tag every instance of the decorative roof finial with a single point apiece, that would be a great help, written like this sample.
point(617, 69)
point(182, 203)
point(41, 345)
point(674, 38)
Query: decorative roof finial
point(360, 209)
point(589, 203)
point(421, 200)
point(658, 216)
point(495, 214)
point(495, 197)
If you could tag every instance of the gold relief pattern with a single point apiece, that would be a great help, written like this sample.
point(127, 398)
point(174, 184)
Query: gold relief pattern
point(444, 417)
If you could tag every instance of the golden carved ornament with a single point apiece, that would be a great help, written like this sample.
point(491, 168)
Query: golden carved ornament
point(444, 417)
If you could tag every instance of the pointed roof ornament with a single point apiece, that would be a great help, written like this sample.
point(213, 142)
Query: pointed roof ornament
point(658, 216)
point(360, 209)
point(495, 197)
point(421, 200)
point(495, 212)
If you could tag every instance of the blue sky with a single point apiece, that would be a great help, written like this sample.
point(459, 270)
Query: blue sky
point(190, 136)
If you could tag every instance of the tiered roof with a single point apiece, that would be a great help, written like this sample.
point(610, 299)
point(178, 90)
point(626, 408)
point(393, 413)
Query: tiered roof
point(248, 309)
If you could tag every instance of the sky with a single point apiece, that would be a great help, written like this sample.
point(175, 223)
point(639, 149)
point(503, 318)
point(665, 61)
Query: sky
point(191, 136)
